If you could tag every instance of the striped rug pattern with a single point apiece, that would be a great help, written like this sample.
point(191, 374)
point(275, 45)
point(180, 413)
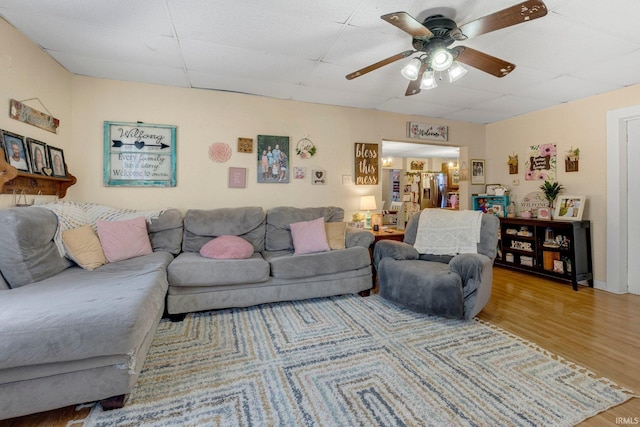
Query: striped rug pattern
point(352, 361)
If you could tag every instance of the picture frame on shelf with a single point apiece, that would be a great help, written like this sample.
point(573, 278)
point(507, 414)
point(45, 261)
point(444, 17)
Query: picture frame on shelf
point(58, 165)
point(490, 189)
point(15, 150)
point(569, 207)
point(39, 157)
point(477, 172)
point(544, 213)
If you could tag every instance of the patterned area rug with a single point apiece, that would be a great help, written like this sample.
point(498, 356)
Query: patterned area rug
point(349, 361)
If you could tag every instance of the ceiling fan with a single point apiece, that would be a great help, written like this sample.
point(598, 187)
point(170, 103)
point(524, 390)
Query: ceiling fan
point(435, 34)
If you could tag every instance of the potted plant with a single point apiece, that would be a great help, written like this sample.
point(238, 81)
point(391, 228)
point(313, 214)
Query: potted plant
point(551, 191)
point(573, 154)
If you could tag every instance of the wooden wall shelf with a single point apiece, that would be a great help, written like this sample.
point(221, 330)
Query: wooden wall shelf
point(13, 181)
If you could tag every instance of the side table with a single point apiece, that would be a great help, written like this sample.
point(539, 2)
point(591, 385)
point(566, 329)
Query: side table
point(386, 234)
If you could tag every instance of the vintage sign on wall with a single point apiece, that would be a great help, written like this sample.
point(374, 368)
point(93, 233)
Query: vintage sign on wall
point(366, 164)
point(139, 154)
point(427, 131)
point(24, 113)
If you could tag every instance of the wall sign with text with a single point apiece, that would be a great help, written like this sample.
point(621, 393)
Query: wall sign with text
point(139, 154)
point(366, 166)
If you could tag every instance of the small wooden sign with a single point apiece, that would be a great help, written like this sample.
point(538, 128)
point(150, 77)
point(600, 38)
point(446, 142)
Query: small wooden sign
point(23, 113)
point(366, 164)
point(245, 145)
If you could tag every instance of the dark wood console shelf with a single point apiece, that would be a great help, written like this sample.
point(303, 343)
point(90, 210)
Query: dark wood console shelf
point(559, 250)
point(13, 181)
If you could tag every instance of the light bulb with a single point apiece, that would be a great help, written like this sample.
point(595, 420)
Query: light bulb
point(441, 60)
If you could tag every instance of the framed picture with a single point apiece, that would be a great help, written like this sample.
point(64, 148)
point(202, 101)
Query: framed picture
point(299, 172)
point(56, 156)
point(237, 177)
point(139, 154)
point(477, 171)
point(376, 219)
point(273, 159)
point(569, 208)
point(15, 150)
point(38, 156)
point(544, 213)
point(318, 177)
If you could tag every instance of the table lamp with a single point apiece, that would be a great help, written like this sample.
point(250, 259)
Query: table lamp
point(368, 203)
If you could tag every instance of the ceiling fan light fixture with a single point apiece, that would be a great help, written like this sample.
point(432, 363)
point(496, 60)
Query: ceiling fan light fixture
point(428, 80)
point(411, 70)
point(441, 59)
point(456, 71)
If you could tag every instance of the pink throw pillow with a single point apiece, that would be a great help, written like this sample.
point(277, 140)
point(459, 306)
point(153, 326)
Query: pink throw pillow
point(227, 247)
point(309, 237)
point(122, 240)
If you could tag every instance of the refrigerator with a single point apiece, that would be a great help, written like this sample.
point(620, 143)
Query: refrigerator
point(433, 190)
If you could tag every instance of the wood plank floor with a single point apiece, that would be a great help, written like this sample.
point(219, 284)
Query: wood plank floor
point(595, 329)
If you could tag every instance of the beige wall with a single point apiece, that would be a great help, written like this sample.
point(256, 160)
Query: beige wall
point(27, 72)
point(204, 117)
point(580, 124)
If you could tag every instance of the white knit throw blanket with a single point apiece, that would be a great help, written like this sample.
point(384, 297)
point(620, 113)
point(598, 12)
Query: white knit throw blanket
point(74, 214)
point(447, 232)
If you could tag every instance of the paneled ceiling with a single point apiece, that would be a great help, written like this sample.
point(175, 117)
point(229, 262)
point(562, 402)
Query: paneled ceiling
point(302, 49)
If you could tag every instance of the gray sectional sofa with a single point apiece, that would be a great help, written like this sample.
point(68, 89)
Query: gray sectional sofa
point(69, 335)
point(273, 273)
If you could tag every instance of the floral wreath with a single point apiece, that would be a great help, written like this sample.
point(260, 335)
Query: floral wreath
point(305, 148)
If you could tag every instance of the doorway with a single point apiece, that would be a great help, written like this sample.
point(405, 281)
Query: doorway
point(623, 234)
point(397, 158)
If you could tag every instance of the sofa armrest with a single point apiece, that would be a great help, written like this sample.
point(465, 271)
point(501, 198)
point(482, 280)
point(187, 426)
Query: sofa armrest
point(358, 237)
point(476, 272)
point(393, 249)
point(469, 267)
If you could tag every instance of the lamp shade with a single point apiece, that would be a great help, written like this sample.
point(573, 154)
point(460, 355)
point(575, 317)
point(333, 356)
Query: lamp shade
point(441, 59)
point(428, 80)
point(412, 69)
point(456, 71)
point(368, 203)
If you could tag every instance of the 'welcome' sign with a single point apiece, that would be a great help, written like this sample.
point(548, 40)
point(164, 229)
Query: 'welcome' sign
point(139, 154)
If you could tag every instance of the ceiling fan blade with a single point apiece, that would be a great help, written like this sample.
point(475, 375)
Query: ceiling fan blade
point(379, 64)
point(408, 24)
point(523, 12)
point(483, 61)
point(414, 85)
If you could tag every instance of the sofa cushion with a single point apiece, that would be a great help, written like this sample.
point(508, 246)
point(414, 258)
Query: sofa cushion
point(309, 237)
point(165, 231)
point(83, 247)
point(191, 269)
point(336, 232)
point(28, 252)
point(286, 266)
point(80, 314)
point(200, 226)
point(126, 239)
point(278, 235)
point(227, 247)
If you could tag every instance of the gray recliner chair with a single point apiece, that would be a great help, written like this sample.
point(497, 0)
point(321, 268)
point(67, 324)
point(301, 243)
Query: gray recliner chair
point(456, 286)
